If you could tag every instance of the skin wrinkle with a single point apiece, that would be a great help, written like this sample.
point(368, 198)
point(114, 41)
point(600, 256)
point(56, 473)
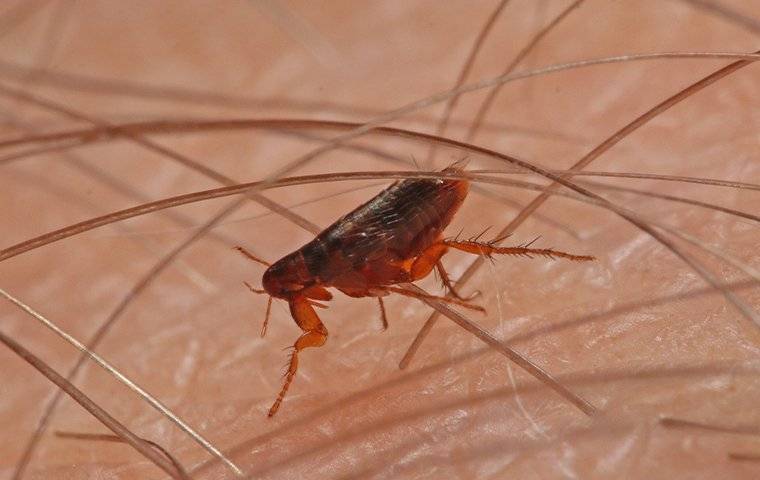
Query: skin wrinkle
point(152, 273)
point(165, 262)
point(624, 213)
point(707, 137)
point(597, 151)
point(582, 404)
point(93, 408)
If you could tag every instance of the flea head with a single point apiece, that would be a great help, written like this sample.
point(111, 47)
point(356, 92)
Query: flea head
point(286, 276)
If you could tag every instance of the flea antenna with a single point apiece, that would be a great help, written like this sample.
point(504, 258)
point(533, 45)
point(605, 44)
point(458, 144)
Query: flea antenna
point(255, 290)
point(252, 257)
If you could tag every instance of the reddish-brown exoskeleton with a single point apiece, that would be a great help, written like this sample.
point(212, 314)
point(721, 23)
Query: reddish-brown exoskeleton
point(396, 237)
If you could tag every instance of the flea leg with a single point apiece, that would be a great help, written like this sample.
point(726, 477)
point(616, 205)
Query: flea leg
point(431, 258)
point(383, 316)
point(427, 260)
point(490, 248)
point(266, 318)
point(363, 292)
point(407, 293)
point(448, 284)
point(315, 335)
point(269, 306)
point(317, 292)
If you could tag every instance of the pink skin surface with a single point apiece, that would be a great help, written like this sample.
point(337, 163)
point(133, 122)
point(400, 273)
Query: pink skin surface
point(630, 332)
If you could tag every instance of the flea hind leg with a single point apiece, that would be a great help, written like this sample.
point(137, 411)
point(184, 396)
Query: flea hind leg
point(490, 248)
point(315, 335)
point(427, 260)
point(431, 258)
point(423, 296)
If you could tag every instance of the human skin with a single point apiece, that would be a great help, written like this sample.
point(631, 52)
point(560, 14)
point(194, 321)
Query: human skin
point(634, 332)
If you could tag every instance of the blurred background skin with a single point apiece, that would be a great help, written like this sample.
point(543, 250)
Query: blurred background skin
point(192, 338)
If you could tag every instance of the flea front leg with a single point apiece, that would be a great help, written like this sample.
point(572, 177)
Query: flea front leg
point(315, 335)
